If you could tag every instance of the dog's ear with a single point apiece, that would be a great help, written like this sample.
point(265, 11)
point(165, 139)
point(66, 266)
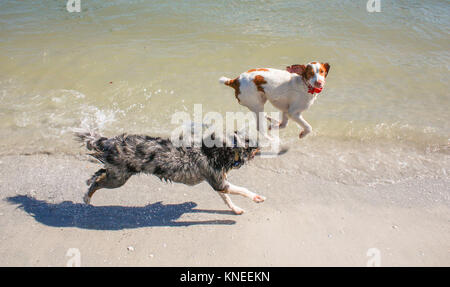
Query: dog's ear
point(297, 69)
point(327, 67)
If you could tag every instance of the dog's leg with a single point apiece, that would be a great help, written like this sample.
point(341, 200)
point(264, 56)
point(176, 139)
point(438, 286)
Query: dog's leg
point(236, 209)
point(95, 183)
point(297, 117)
point(105, 179)
point(261, 125)
point(219, 185)
point(274, 124)
point(233, 189)
point(96, 174)
point(284, 121)
point(224, 188)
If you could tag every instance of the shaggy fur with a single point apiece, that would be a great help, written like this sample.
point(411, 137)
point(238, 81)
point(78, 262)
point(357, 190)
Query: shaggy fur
point(126, 155)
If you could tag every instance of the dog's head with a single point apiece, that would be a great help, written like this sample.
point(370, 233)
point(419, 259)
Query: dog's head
point(313, 75)
point(243, 149)
point(231, 153)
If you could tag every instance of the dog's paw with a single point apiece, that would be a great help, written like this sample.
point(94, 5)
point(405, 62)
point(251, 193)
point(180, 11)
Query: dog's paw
point(238, 210)
point(258, 198)
point(269, 118)
point(273, 124)
point(304, 132)
point(87, 199)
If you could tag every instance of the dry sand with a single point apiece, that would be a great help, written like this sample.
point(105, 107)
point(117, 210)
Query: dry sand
point(305, 221)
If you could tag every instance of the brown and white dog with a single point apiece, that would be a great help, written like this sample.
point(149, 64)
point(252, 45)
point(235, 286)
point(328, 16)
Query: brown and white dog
point(292, 91)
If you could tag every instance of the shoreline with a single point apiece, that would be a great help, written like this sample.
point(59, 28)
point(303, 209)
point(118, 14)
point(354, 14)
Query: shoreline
point(305, 221)
point(351, 161)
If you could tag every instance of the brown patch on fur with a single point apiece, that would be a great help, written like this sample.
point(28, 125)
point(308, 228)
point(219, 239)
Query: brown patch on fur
point(259, 81)
point(297, 69)
point(235, 84)
point(309, 72)
point(257, 70)
point(324, 69)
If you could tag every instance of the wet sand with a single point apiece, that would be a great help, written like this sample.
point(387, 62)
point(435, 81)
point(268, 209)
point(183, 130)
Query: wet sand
point(305, 221)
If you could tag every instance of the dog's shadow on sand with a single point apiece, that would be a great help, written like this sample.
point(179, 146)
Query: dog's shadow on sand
point(70, 214)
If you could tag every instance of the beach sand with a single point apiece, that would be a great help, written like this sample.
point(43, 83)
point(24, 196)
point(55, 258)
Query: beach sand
point(369, 186)
point(305, 221)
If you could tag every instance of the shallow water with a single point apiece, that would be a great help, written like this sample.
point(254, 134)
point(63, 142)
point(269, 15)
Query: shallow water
point(130, 65)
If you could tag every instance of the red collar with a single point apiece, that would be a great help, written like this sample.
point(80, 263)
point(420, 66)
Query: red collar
point(312, 90)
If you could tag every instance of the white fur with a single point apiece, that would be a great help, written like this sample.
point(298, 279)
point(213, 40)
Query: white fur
point(233, 189)
point(286, 91)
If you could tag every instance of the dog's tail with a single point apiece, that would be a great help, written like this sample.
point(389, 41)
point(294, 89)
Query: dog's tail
point(88, 137)
point(224, 80)
point(234, 83)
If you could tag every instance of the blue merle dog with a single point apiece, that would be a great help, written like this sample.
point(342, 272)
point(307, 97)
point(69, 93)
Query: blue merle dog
point(125, 155)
